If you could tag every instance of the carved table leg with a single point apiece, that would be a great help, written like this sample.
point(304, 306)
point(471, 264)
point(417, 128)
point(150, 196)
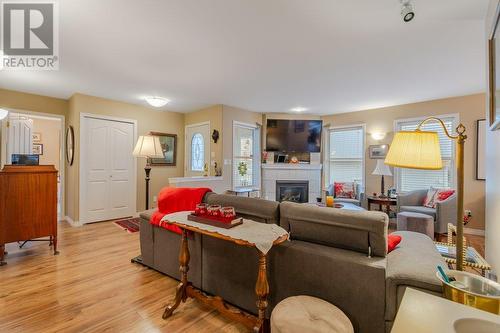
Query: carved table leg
point(262, 291)
point(181, 294)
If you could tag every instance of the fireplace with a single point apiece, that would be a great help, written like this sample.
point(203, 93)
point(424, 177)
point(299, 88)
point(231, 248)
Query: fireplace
point(292, 190)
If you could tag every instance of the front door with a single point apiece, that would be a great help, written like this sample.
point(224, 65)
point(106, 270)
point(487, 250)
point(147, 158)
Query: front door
point(108, 167)
point(197, 149)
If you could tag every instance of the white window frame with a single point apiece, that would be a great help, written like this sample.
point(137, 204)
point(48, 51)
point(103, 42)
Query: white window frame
point(327, 152)
point(256, 158)
point(456, 121)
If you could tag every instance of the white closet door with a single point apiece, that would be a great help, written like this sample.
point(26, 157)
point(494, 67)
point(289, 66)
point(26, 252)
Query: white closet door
point(108, 167)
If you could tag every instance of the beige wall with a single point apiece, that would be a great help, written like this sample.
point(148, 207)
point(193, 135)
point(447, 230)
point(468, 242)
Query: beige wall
point(470, 108)
point(10, 99)
point(50, 131)
point(492, 231)
point(212, 114)
point(147, 120)
point(229, 115)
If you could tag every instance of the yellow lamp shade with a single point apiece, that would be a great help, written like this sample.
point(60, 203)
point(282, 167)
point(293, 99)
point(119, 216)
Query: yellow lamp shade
point(415, 150)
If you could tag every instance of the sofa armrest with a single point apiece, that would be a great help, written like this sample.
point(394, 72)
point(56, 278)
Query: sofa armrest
point(446, 212)
point(413, 198)
point(412, 264)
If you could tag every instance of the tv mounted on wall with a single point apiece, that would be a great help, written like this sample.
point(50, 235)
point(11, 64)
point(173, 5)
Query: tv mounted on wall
point(294, 135)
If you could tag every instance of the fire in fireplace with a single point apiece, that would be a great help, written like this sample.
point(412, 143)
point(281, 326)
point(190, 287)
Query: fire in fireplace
point(295, 191)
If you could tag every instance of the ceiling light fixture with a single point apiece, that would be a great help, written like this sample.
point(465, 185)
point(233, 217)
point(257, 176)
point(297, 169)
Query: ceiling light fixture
point(407, 11)
point(157, 102)
point(299, 109)
point(3, 113)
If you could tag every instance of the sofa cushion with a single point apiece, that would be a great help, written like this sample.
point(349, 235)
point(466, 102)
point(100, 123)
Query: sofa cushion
point(412, 264)
point(252, 208)
point(419, 209)
point(347, 229)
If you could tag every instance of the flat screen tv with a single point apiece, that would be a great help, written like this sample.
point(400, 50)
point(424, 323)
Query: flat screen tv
point(293, 135)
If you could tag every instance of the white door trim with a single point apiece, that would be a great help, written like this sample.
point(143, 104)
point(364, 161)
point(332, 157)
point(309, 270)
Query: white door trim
point(82, 165)
point(186, 142)
point(62, 145)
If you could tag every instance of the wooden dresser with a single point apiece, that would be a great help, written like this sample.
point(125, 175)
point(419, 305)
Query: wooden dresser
point(28, 204)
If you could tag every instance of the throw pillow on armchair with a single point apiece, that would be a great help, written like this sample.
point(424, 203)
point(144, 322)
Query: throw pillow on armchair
point(345, 190)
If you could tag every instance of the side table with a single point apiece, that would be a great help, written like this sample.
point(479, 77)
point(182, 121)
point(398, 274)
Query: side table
point(185, 289)
point(382, 202)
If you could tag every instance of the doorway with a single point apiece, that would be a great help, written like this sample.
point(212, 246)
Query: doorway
point(108, 187)
point(197, 149)
point(37, 134)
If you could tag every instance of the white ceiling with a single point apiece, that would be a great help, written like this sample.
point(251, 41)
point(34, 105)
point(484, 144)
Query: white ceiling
point(329, 56)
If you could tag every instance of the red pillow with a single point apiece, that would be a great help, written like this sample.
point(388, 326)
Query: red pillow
point(344, 190)
point(392, 242)
point(442, 195)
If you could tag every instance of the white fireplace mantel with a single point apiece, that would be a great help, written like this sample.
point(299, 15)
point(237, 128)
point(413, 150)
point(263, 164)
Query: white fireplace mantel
point(290, 166)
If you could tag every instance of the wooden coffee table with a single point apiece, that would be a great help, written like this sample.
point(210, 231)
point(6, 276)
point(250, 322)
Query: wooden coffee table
point(382, 202)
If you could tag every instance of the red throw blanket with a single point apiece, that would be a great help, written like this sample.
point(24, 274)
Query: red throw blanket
point(173, 199)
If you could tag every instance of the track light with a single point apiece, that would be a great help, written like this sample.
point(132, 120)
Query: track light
point(407, 11)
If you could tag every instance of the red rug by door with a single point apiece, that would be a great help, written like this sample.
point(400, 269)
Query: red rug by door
point(131, 225)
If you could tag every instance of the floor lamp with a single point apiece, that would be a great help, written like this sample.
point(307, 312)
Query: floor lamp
point(148, 146)
point(420, 150)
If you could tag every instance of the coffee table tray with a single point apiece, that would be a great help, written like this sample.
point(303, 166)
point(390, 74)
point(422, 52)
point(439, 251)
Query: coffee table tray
point(213, 222)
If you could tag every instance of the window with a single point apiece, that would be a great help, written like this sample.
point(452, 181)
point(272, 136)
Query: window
point(197, 152)
point(246, 155)
point(346, 154)
point(414, 179)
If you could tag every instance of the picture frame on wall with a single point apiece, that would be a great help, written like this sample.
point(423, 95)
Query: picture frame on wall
point(169, 146)
point(378, 152)
point(494, 73)
point(37, 149)
point(37, 137)
point(481, 149)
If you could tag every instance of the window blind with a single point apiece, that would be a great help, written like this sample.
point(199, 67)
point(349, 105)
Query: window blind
point(413, 179)
point(346, 154)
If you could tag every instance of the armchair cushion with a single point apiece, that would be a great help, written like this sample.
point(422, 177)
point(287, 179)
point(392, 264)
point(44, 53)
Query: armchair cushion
point(419, 209)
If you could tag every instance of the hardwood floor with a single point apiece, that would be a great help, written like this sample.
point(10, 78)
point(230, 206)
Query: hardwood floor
point(93, 287)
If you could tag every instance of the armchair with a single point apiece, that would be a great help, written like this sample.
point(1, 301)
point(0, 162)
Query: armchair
point(358, 200)
point(444, 213)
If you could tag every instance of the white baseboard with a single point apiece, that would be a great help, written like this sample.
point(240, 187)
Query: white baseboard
point(477, 232)
point(73, 223)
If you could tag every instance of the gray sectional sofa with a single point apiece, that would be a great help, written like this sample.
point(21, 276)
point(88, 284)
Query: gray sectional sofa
point(337, 255)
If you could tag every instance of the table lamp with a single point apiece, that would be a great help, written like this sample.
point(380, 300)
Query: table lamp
point(148, 146)
point(420, 150)
point(382, 169)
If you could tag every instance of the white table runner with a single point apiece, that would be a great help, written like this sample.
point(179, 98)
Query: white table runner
point(261, 234)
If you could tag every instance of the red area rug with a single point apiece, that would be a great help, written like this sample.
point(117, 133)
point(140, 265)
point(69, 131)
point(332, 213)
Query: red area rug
point(130, 225)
